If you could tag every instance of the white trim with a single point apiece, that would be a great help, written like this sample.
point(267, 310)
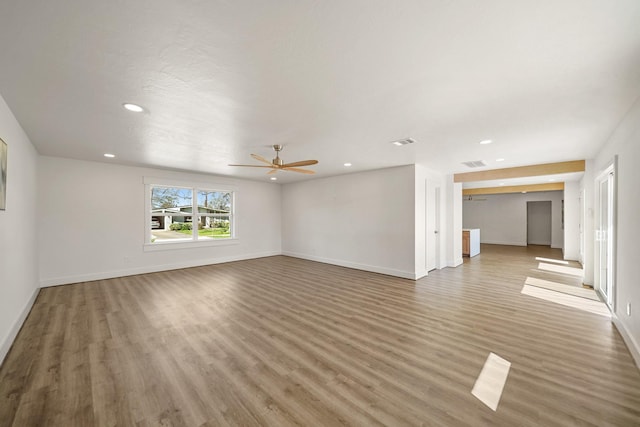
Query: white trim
point(7, 342)
point(150, 182)
point(499, 242)
point(366, 267)
point(186, 244)
point(628, 338)
point(611, 169)
point(420, 274)
point(150, 269)
point(455, 263)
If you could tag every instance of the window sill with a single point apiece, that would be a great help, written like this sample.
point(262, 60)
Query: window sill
point(168, 246)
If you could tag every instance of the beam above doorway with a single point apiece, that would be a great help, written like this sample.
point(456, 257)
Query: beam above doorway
point(521, 171)
point(532, 188)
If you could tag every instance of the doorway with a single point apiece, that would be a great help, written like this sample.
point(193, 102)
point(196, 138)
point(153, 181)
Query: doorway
point(539, 223)
point(605, 235)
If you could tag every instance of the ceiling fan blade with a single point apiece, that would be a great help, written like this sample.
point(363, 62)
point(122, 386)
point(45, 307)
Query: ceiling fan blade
point(253, 166)
point(301, 163)
point(307, 171)
point(261, 159)
point(272, 171)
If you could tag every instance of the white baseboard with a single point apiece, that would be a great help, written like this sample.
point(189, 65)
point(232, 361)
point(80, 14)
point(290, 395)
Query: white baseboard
point(7, 342)
point(355, 265)
point(499, 242)
point(150, 269)
point(628, 339)
point(455, 263)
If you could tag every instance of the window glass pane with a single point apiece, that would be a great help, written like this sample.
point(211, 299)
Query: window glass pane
point(171, 214)
point(214, 202)
point(215, 219)
point(211, 227)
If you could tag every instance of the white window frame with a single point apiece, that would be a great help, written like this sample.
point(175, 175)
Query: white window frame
point(150, 182)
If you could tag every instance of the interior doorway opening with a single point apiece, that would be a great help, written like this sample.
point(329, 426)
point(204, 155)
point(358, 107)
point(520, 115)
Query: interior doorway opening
point(539, 223)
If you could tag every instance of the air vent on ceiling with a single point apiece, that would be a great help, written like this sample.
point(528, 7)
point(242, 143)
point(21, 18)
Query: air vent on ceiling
point(403, 141)
point(475, 164)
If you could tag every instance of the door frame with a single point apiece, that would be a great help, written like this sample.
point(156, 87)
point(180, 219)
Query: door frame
point(608, 174)
point(432, 235)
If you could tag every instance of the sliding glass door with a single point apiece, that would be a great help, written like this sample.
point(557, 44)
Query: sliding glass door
point(605, 235)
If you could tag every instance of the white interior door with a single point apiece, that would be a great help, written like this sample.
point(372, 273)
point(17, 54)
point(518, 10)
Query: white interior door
point(432, 229)
point(605, 235)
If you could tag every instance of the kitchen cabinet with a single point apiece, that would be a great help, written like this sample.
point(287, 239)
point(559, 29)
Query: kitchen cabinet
point(470, 242)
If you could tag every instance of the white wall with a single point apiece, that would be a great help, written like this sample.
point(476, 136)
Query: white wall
point(502, 218)
point(587, 185)
point(625, 143)
point(572, 220)
point(92, 222)
point(361, 220)
point(18, 234)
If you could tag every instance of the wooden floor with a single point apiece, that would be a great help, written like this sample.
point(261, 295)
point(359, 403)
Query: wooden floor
point(282, 341)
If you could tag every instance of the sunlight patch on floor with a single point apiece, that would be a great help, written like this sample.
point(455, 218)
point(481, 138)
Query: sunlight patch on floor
point(557, 261)
point(560, 287)
point(583, 304)
point(577, 272)
point(490, 383)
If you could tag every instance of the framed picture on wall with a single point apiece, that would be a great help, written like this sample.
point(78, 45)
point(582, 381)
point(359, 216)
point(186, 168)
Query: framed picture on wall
point(3, 175)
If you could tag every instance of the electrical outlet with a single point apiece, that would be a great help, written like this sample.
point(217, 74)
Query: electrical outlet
point(628, 309)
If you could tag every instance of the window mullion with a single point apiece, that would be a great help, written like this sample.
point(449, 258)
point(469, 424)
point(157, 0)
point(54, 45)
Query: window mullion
point(195, 218)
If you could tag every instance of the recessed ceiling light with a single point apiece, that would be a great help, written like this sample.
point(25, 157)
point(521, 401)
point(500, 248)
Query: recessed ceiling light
point(347, 164)
point(502, 183)
point(109, 155)
point(486, 141)
point(524, 192)
point(273, 178)
point(402, 142)
point(500, 160)
point(133, 107)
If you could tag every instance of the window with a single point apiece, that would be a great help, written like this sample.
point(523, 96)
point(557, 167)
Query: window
point(180, 214)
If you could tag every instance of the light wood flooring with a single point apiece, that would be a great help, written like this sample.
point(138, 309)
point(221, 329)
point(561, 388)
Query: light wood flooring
point(281, 341)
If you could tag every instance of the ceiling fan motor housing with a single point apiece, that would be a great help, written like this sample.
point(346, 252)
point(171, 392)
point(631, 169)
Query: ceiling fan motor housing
point(277, 161)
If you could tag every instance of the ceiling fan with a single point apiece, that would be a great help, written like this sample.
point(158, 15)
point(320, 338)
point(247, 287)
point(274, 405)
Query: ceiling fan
point(472, 199)
point(277, 163)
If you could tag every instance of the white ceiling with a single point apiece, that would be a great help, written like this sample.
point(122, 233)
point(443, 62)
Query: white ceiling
point(331, 80)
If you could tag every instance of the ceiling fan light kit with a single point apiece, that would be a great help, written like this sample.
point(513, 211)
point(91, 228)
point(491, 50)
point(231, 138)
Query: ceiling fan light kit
point(278, 164)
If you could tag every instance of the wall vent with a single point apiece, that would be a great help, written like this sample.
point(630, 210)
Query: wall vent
point(475, 164)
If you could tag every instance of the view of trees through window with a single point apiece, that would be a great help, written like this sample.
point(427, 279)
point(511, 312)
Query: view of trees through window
point(185, 214)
